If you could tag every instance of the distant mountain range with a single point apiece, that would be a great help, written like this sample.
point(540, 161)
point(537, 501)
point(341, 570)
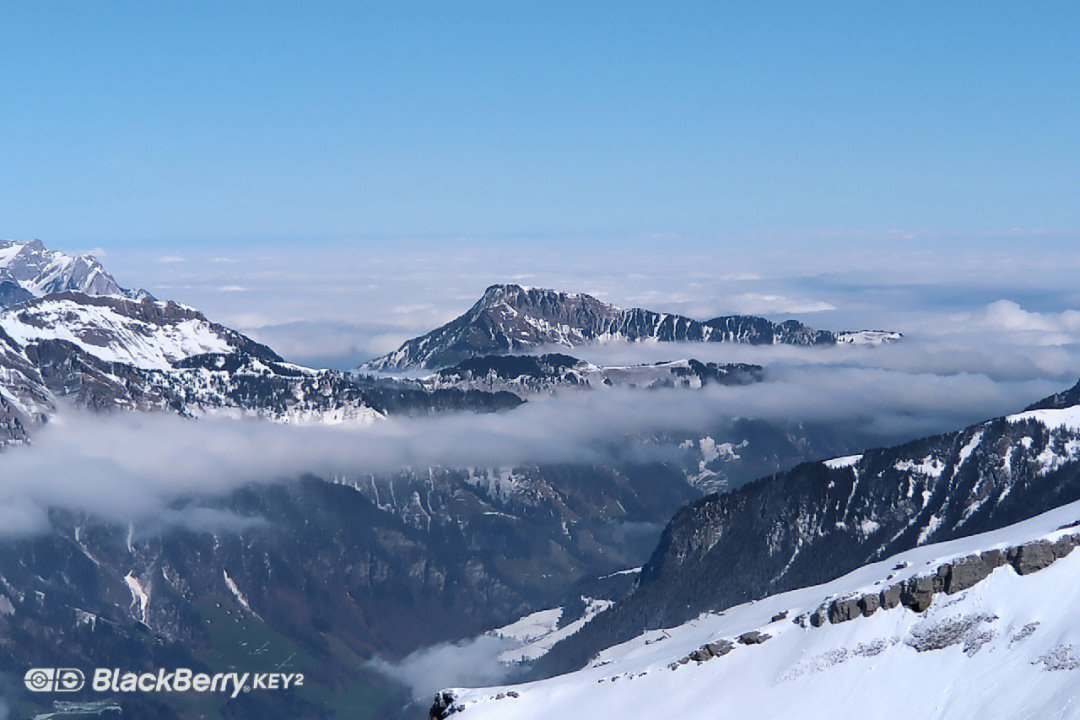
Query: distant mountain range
point(330, 571)
point(70, 332)
point(509, 318)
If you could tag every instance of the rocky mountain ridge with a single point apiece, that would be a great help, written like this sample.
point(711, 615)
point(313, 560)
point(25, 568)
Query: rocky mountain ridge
point(512, 318)
point(822, 519)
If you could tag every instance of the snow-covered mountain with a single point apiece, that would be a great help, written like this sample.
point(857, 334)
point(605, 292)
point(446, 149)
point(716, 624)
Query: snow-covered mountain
point(105, 352)
point(982, 627)
point(529, 374)
point(145, 334)
point(29, 269)
point(36, 377)
point(71, 333)
point(822, 519)
point(510, 318)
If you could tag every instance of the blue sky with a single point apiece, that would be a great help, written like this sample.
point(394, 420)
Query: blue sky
point(134, 122)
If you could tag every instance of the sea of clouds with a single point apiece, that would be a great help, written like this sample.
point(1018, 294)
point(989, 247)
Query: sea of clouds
point(989, 328)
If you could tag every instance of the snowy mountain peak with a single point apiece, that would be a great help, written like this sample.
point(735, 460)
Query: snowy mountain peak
point(29, 269)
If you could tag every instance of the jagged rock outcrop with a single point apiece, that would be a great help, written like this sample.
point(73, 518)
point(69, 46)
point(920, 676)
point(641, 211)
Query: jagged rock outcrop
point(754, 637)
point(917, 594)
point(958, 575)
point(443, 706)
point(966, 572)
point(1031, 557)
point(844, 609)
point(890, 597)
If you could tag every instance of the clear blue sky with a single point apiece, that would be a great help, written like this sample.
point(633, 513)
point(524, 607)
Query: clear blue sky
point(206, 120)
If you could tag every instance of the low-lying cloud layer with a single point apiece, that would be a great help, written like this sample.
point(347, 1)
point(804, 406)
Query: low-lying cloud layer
point(126, 467)
point(469, 663)
point(988, 329)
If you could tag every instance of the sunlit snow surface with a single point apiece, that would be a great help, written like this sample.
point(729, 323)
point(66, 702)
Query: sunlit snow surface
point(1016, 653)
point(112, 336)
point(537, 638)
point(843, 462)
point(1068, 418)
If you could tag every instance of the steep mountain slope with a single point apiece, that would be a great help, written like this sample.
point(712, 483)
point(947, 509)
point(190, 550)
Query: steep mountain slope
point(823, 519)
point(319, 576)
point(510, 317)
point(28, 269)
point(981, 627)
point(530, 374)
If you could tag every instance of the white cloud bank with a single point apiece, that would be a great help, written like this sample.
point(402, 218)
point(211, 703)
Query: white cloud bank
point(469, 663)
point(126, 467)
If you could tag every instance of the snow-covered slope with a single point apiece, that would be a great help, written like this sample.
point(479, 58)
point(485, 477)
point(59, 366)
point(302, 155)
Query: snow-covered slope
point(105, 353)
point(822, 519)
point(538, 632)
point(36, 270)
point(37, 378)
point(144, 333)
point(983, 627)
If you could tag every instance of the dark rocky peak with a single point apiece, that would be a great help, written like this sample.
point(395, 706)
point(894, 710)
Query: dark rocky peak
point(509, 318)
point(541, 302)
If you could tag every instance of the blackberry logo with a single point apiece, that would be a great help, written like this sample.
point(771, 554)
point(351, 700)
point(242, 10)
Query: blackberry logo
point(59, 680)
